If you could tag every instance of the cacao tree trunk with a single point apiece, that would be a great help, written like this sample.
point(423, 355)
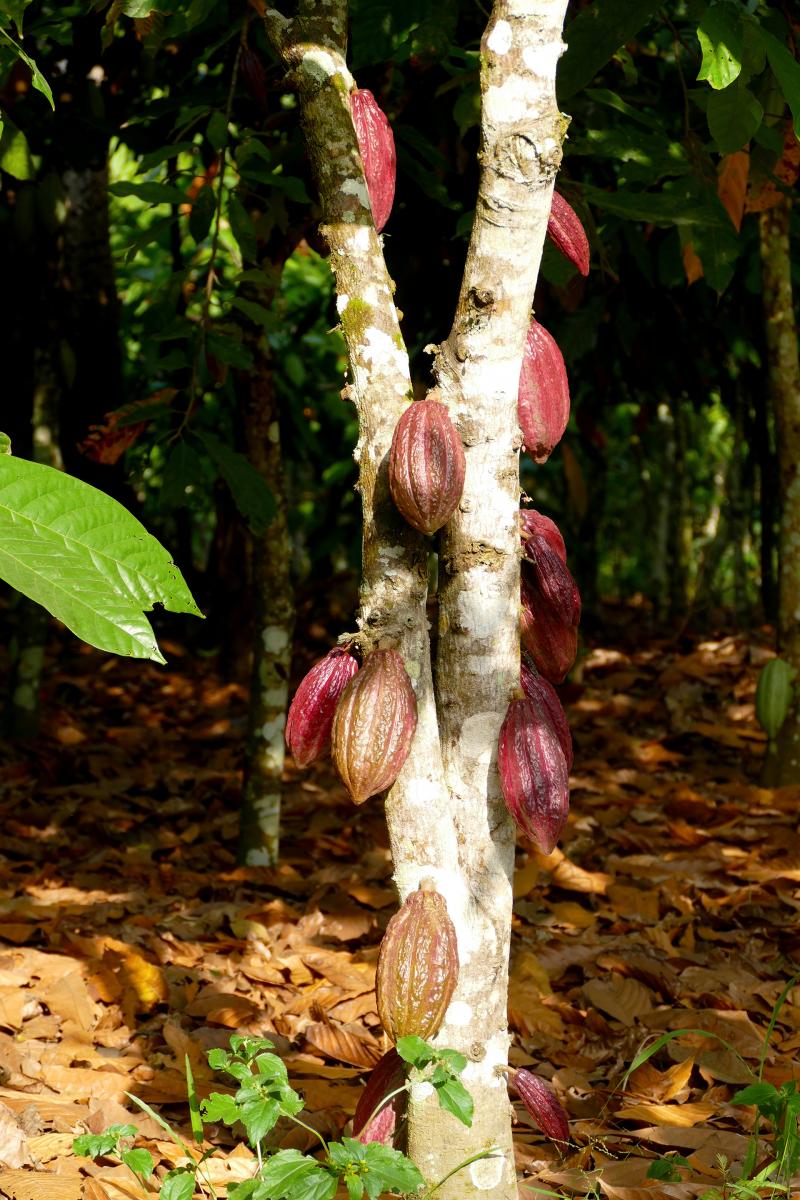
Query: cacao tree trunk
point(446, 818)
point(783, 372)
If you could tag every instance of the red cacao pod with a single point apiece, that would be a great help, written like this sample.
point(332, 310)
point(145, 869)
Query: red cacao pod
point(426, 466)
point(373, 725)
point(533, 774)
point(542, 1105)
point(532, 523)
point(566, 232)
point(551, 644)
point(543, 398)
point(545, 699)
point(417, 966)
point(376, 145)
point(387, 1077)
point(253, 75)
point(310, 718)
point(550, 574)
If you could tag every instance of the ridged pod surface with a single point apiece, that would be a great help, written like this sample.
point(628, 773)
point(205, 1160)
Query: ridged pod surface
point(310, 718)
point(552, 645)
point(544, 698)
point(542, 1105)
point(376, 146)
point(374, 725)
point(774, 695)
point(553, 578)
point(387, 1077)
point(543, 398)
point(532, 523)
point(533, 774)
point(417, 966)
point(566, 232)
point(426, 466)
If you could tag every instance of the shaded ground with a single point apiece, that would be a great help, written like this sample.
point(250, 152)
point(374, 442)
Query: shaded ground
point(128, 937)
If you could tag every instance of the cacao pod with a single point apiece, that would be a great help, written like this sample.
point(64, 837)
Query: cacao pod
point(253, 76)
point(310, 717)
point(542, 1105)
point(553, 579)
point(387, 1077)
point(566, 232)
point(417, 966)
point(545, 699)
point(551, 644)
point(533, 774)
point(535, 523)
point(426, 466)
point(543, 397)
point(376, 146)
point(774, 695)
point(373, 725)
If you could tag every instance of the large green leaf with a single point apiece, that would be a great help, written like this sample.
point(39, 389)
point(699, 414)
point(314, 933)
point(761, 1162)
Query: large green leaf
point(84, 557)
point(787, 72)
point(37, 78)
point(594, 36)
point(681, 206)
point(733, 115)
point(720, 37)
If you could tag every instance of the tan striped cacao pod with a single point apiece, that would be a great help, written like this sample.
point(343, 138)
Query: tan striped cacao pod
point(545, 699)
point(417, 966)
point(552, 645)
point(542, 1105)
point(549, 573)
point(310, 718)
point(566, 232)
point(543, 397)
point(376, 146)
point(426, 466)
point(374, 725)
point(533, 774)
point(533, 523)
point(387, 1077)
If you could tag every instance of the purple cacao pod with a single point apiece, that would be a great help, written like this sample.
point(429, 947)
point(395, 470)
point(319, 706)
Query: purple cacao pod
point(566, 232)
point(551, 644)
point(387, 1077)
point(374, 725)
point(426, 466)
point(533, 774)
point(542, 1105)
point(550, 574)
point(543, 397)
point(310, 718)
point(533, 523)
point(376, 145)
point(545, 699)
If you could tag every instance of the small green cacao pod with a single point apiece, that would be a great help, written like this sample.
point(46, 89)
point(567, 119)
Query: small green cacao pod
point(417, 966)
point(774, 694)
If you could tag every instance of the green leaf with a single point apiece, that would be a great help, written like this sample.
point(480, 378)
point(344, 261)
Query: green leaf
point(455, 1099)
point(138, 8)
point(594, 37)
point(453, 1060)
point(756, 1093)
point(37, 78)
point(251, 495)
point(415, 1051)
point(256, 312)
point(194, 1105)
point(83, 556)
point(720, 36)
point(718, 248)
point(665, 1169)
point(242, 227)
point(15, 155)
point(151, 193)
point(97, 1145)
point(202, 214)
point(786, 70)
point(681, 206)
point(221, 1108)
point(156, 157)
point(139, 1161)
point(218, 1060)
point(290, 1175)
point(258, 1116)
point(733, 115)
point(387, 1170)
point(229, 349)
point(179, 1184)
point(5, 443)
point(217, 130)
point(15, 10)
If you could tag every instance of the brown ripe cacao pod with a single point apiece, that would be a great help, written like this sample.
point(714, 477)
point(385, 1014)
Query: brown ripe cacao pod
point(426, 466)
point(387, 1077)
point(310, 718)
point(542, 1105)
point(566, 232)
point(552, 645)
point(253, 76)
point(544, 698)
point(533, 774)
point(376, 145)
point(550, 574)
point(532, 523)
point(543, 398)
point(417, 966)
point(374, 724)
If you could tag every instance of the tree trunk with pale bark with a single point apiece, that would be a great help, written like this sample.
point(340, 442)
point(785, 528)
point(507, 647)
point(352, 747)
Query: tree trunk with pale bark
point(445, 813)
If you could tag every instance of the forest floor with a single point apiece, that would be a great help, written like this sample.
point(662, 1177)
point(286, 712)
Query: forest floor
point(130, 939)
